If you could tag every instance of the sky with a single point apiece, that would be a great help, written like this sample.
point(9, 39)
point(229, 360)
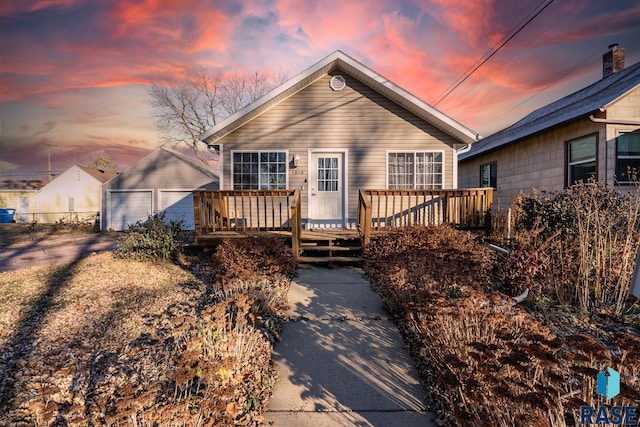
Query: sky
point(75, 74)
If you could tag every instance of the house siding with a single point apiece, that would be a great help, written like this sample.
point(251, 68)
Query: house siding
point(11, 199)
point(537, 162)
point(53, 199)
point(356, 119)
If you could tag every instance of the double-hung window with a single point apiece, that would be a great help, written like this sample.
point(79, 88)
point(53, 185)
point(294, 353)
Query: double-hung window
point(489, 175)
point(581, 159)
point(628, 158)
point(259, 170)
point(414, 170)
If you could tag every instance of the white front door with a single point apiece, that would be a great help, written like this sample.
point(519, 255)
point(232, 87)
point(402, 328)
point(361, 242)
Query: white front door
point(326, 190)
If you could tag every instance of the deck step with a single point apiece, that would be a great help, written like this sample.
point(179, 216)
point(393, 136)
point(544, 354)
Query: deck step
point(333, 248)
point(330, 259)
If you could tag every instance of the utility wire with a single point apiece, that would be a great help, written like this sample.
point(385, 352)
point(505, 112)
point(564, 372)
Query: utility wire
point(492, 52)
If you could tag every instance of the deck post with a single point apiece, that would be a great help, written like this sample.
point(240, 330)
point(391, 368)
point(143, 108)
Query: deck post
point(364, 218)
point(296, 225)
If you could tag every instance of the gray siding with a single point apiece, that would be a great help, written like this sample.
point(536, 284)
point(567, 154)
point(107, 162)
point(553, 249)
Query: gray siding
point(357, 119)
point(159, 171)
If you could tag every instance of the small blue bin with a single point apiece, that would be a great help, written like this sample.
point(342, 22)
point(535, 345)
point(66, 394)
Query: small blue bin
point(6, 215)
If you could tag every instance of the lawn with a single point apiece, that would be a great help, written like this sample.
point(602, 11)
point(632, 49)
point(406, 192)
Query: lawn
point(111, 341)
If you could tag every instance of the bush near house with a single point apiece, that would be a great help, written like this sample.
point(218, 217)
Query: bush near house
point(119, 342)
point(485, 360)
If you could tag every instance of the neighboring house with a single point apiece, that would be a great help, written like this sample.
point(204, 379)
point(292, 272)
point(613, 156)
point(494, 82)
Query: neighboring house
point(332, 130)
point(163, 181)
point(21, 196)
point(593, 132)
point(73, 195)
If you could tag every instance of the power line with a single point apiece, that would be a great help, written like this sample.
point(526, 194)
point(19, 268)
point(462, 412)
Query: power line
point(480, 62)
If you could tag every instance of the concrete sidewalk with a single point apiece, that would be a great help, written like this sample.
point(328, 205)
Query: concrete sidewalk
point(341, 361)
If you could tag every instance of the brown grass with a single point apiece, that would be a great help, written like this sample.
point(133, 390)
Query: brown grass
point(107, 341)
point(485, 360)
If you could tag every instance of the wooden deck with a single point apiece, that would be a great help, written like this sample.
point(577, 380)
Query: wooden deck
point(227, 214)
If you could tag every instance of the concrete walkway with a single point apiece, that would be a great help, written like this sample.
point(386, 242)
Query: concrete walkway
point(341, 361)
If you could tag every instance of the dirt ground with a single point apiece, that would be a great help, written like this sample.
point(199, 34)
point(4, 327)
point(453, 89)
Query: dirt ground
point(52, 249)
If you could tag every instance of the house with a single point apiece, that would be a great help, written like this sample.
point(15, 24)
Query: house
point(163, 181)
point(594, 132)
point(74, 195)
point(21, 196)
point(335, 129)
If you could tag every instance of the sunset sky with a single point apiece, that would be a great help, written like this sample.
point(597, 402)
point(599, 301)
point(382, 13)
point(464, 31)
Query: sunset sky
point(74, 74)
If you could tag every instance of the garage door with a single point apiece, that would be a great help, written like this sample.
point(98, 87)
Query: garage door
point(128, 207)
point(178, 206)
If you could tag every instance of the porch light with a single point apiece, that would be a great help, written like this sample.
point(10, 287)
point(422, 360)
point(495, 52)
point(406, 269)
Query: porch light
point(296, 160)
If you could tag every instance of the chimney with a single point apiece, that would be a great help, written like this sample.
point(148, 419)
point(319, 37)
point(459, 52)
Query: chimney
point(613, 60)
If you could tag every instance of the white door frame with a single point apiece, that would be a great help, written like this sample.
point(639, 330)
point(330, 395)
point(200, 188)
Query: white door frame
point(345, 180)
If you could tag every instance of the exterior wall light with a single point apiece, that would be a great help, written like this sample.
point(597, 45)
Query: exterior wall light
point(296, 161)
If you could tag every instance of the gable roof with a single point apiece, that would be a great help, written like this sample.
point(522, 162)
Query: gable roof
point(359, 71)
point(194, 163)
point(585, 102)
point(161, 151)
point(99, 174)
point(21, 184)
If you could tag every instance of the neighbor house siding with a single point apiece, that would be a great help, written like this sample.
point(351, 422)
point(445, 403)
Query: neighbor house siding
point(536, 162)
point(624, 108)
point(11, 199)
point(76, 184)
point(356, 119)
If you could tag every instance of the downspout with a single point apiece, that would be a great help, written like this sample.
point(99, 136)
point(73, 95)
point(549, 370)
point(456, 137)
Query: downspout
point(456, 152)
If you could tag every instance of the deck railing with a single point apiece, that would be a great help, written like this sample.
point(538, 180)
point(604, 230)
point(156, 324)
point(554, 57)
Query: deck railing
point(378, 209)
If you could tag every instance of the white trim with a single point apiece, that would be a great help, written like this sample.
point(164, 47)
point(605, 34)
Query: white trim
point(133, 190)
point(386, 164)
point(345, 183)
point(274, 150)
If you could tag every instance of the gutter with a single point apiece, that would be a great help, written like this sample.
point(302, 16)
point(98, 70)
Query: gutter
point(615, 121)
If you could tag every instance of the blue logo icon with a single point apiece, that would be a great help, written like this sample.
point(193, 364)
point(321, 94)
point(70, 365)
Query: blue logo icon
point(609, 383)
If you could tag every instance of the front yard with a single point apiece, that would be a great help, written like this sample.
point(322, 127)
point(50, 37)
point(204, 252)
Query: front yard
point(110, 341)
point(114, 341)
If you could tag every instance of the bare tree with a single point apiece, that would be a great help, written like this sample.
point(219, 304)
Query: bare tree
point(102, 161)
point(187, 107)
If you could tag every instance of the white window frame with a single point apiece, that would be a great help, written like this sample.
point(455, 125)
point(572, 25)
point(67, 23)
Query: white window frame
point(414, 152)
point(570, 164)
point(259, 152)
point(618, 157)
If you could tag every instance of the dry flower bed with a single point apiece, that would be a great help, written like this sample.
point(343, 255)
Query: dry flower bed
point(107, 341)
point(486, 361)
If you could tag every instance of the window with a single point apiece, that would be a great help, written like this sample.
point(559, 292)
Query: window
point(628, 158)
point(72, 204)
point(264, 170)
point(327, 174)
point(419, 170)
point(489, 175)
point(581, 156)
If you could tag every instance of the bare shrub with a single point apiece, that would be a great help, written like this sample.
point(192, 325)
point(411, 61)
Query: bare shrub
point(485, 360)
point(586, 237)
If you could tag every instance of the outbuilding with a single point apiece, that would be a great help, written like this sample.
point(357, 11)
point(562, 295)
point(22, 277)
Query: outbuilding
point(163, 181)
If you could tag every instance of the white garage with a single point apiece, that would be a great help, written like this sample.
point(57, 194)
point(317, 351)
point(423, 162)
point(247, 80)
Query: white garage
point(128, 207)
point(161, 182)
